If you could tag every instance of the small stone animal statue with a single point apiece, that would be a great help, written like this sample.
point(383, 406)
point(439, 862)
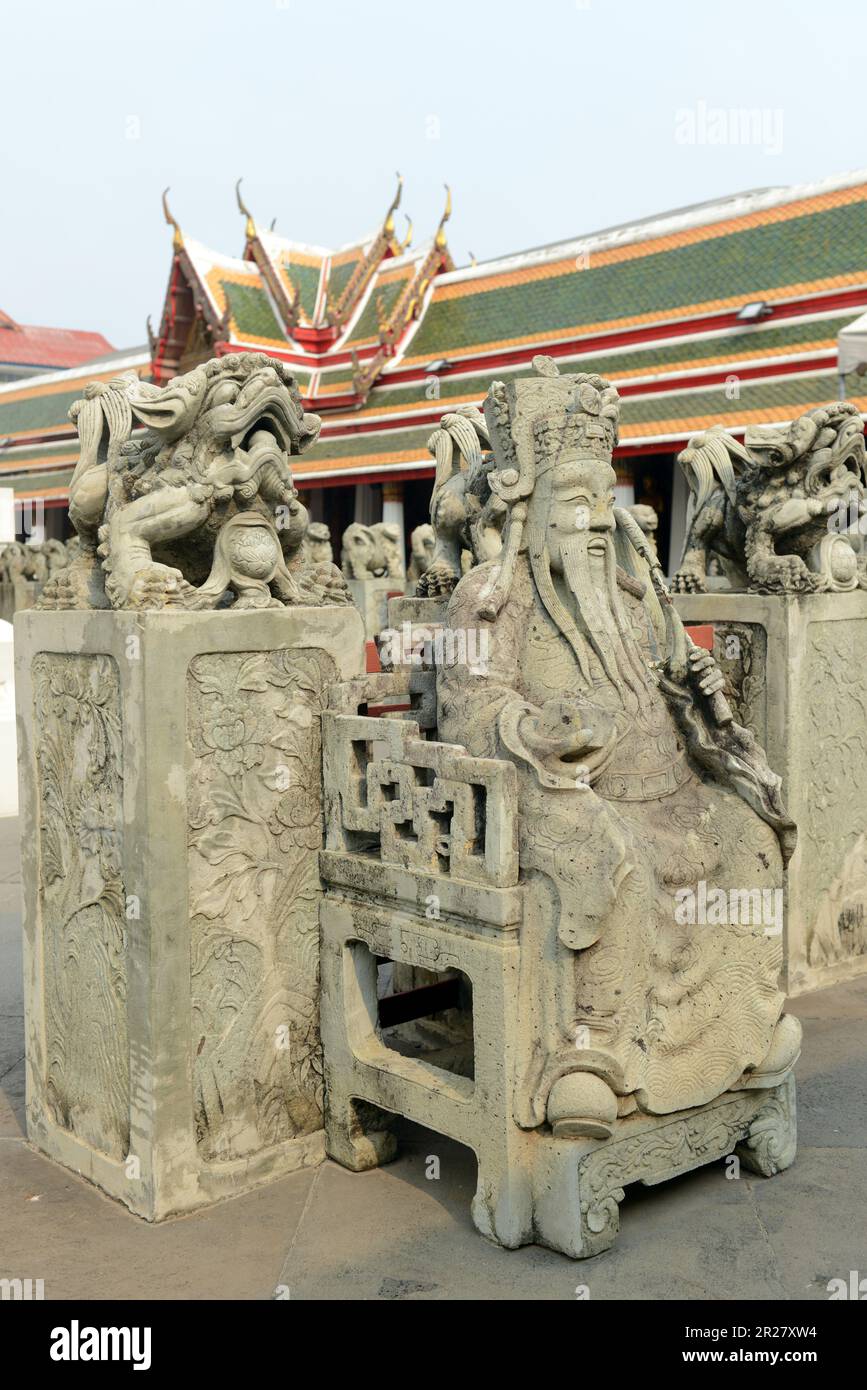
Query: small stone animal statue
point(776, 508)
point(421, 546)
point(36, 561)
point(372, 552)
point(316, 547)
point(648, 522)
point(199, 510)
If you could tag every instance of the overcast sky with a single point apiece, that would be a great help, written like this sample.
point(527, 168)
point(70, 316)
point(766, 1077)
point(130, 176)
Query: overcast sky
point(550, 119)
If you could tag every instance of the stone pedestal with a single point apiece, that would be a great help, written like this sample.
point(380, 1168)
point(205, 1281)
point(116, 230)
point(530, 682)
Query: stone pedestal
point(8, 754)
point(371, 597)
point(16, 597)
point(170, 783)
point(796, 669)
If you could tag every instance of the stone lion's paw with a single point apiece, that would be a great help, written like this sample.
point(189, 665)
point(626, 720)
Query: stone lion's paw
point(437, 582)
point(688, 582)
point(157, 586)
point(788, 574)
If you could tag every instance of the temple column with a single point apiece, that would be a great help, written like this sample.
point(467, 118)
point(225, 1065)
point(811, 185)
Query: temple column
point(7, 514)
point(624, 488)
point(366, 504)
point(392, 509)
point(314, 500)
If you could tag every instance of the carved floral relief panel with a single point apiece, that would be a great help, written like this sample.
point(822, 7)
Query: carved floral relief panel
point(833, 825)
point(77, 721)
point(255, 829)
point(740, 651)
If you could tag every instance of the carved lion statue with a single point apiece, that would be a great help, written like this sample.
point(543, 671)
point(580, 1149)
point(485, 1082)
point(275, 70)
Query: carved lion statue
point(198, 510)
point(421, 548)
point(372, 552)
point(466, 517)
point(777, 509)
point(34, 561)
point(317, 544)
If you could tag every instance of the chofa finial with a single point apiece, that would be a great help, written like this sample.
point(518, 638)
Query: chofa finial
point(440, 238)
point(388, 225)
point(250, 229)
point(178, 237)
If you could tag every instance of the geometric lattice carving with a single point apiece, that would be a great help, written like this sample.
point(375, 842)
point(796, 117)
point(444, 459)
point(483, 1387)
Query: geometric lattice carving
point(396, 797)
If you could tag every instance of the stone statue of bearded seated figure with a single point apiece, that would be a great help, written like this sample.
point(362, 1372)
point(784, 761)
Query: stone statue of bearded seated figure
point(563, 835)
point(635, 788)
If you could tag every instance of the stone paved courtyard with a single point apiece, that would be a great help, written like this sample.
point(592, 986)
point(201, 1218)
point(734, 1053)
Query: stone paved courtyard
point(396, 1234)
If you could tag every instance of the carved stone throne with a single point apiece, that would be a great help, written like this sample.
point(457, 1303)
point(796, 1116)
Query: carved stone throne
point(421, 868)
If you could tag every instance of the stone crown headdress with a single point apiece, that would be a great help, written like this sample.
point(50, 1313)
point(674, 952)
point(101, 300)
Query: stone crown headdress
point(537, 421)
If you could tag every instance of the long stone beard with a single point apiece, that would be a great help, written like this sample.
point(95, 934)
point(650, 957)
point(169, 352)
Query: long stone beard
point(600, 611)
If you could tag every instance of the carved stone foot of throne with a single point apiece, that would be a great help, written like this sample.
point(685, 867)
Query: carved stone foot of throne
point(355, 1135)
point(578, 1198)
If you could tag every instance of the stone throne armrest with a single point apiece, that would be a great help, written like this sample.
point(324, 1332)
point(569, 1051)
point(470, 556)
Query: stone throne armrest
point(409, 818)
point(416, 803)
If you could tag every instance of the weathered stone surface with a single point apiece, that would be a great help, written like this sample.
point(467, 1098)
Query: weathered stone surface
point(467, 518)
point(421, 544)
point(372, 552)
point(8, 750)
point(533, 830)
point(16, 597)
point(371, 560)
point(25, 569)
point(200, 510)
point(648, 521)
point(795, 669)
point(316, 547)
point(782, 511)
point(171, 821)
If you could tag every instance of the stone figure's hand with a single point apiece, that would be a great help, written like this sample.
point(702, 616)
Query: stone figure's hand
point(704, 672)
point(556, 731)
point(570, 739)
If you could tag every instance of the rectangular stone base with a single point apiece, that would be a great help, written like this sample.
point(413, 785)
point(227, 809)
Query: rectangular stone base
point(170, 785)
point(796, 666)
point(370, 597)
point(15, 598)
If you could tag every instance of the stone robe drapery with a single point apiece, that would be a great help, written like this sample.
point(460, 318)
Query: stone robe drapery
point(611, 982)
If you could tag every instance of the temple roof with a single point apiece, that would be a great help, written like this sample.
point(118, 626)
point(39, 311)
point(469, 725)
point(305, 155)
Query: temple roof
point(25, 345)
point(384, 337)
point(38, 442)
point(314, 306)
